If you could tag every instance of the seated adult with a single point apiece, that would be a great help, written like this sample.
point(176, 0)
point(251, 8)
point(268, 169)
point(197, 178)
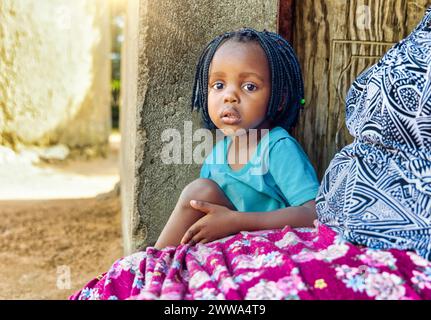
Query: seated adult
point(377, 190)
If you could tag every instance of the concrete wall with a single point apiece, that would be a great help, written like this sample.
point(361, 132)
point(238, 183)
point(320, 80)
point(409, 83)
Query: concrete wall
point(54, 72)
point(164, 39)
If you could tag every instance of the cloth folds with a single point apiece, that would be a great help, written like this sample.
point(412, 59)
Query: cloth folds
point(285, 264)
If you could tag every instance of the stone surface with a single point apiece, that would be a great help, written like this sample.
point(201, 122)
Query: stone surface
point(54, 72)
point(163, 43)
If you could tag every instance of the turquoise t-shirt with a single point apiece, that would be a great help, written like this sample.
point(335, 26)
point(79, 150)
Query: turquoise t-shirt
point(278, 175)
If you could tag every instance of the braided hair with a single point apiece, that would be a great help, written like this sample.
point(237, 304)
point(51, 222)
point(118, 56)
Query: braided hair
point(287, 87)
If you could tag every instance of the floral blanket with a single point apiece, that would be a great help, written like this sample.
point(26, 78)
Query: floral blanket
point(306, 263)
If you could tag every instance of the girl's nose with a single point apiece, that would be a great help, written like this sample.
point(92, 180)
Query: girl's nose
point(231, 96)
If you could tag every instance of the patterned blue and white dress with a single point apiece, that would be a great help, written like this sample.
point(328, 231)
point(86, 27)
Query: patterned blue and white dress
point(377, 190)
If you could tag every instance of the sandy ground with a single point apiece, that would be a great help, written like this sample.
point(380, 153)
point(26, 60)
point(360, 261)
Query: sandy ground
point(49, 249)
point(63, 236)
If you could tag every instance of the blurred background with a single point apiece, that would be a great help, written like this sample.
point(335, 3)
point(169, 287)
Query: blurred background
point(60, 89)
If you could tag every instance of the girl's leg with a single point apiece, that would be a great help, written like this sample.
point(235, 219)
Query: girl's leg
point(185, 216)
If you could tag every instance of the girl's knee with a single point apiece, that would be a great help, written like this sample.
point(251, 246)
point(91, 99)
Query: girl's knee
point(200, 187)
point(204, 190)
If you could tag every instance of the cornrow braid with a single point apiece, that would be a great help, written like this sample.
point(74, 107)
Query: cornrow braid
point(287, 87)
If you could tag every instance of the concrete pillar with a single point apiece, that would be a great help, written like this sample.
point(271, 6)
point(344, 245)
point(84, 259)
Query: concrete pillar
point(163, 41)
point(55, 72)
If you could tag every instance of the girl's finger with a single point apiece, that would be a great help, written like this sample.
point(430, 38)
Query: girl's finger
point(188, 235)
point(197, 238)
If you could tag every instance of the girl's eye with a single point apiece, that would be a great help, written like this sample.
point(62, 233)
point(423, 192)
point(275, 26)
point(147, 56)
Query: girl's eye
point(250, 87)
point(217, 85)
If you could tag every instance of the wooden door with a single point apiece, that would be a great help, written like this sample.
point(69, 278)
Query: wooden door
point(335, 40)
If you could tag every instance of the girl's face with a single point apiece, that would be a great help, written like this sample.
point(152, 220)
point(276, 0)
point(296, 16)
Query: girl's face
point(239, 87)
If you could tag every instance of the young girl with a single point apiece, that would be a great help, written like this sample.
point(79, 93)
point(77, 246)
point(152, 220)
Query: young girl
point(246, 80)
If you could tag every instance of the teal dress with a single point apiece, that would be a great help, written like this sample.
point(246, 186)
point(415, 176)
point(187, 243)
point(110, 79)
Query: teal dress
point(278, 175)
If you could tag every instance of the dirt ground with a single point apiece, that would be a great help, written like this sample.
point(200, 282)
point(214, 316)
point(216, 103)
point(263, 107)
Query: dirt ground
point(51, 248)
point(56, 234)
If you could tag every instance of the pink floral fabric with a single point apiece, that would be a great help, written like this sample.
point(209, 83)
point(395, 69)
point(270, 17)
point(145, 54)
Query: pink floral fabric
point(305, 263)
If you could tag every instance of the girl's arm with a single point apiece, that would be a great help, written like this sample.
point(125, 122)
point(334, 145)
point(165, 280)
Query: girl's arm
point(221, 221)
point(296, 217)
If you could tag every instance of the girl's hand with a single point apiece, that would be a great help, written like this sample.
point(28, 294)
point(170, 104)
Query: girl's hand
point(218, 222)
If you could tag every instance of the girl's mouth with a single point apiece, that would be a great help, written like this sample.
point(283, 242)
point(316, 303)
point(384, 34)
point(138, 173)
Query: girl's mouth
point(230, 116)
